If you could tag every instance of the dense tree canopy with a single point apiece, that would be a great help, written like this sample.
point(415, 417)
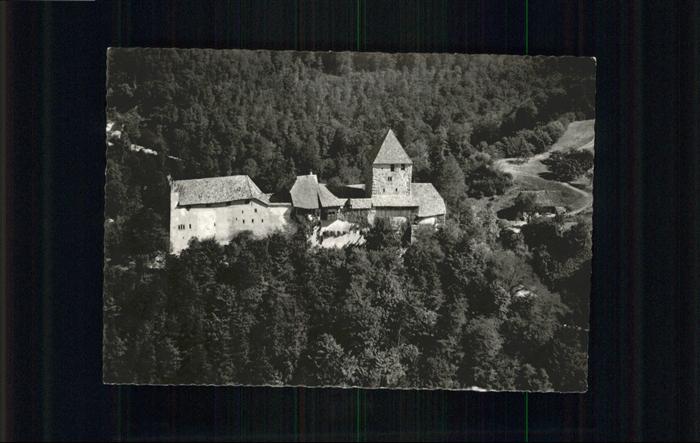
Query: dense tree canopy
point(446, 310)
point(570, 165)
point(273, 115)
point(439, 312)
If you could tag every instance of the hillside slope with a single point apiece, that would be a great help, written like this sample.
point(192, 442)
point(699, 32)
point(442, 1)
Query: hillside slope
point(529, 174)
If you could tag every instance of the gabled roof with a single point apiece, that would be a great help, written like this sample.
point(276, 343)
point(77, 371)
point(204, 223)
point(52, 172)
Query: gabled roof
point(327, 198)
point(307, 193)
point(213, 190)
point(429, 200)
point(304, 192)
point(391, 151)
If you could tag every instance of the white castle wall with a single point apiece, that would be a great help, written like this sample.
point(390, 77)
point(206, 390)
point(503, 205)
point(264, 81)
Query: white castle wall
point(223, 222)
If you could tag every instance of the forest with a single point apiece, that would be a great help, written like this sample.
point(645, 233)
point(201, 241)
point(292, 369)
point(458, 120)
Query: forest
point(469, 305)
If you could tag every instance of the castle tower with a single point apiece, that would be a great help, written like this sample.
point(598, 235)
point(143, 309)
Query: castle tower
point(391, 170)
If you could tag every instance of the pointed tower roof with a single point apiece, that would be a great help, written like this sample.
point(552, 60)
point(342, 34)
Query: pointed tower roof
point(391, 151)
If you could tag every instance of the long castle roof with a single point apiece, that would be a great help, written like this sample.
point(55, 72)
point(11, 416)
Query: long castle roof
point(213, 190)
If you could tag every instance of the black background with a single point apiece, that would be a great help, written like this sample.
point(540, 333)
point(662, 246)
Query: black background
point(645, 339)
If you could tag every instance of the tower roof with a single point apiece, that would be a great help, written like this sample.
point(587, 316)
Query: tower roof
point(391, 151)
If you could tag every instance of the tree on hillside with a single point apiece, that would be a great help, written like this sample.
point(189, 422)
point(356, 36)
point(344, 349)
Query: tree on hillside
point(570, 165)
point(482, 344)
point(383, 235)
point(557, 253)
point(530, 324)
point(567, 359)
point(525, 202)
point(327, 364)
point(423, 260)
point(450, 181)
point(485, 181)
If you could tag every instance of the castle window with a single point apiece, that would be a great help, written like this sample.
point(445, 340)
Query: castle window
point(262, 221)
point(256, 209)
point(243, 221)
point(403, 167)
point(396, 190)
point(190, 225)
point(390, 178)
point(392, 168)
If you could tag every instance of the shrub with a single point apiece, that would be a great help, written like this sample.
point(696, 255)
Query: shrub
point(570, 165)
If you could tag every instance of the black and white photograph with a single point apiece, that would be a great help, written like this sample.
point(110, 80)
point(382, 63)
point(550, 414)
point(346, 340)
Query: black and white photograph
point(348, 219)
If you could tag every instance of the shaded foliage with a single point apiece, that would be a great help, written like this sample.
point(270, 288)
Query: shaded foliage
point(568, 166)
point(444, 310)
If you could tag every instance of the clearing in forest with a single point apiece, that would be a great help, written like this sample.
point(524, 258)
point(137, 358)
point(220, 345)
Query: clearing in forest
point(532, 174)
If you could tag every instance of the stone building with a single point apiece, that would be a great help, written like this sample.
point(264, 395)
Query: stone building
point(391, 193)
point(221, 207)
point(388, 192)
point(391, 171)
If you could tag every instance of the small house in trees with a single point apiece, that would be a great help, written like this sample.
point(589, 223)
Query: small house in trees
point(542, 203)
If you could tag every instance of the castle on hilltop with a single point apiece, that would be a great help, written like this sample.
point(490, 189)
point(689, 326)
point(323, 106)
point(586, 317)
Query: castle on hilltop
point(221, 207)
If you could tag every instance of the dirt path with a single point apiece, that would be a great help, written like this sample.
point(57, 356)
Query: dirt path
point(526, 173)
point(586, 203)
